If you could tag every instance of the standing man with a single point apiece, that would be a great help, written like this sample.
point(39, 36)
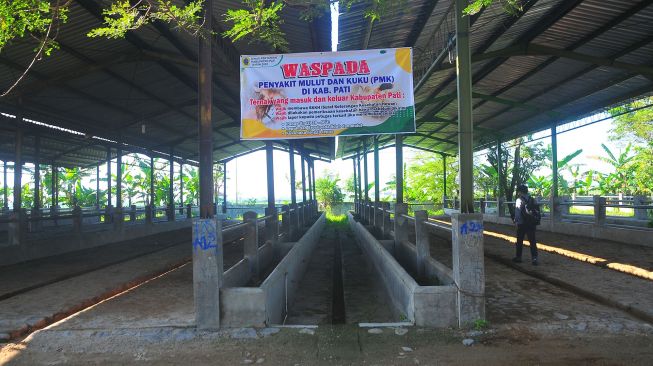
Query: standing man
point(527, 217)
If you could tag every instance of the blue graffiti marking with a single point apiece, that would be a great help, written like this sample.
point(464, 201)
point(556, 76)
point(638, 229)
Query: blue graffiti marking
point(471, 227)
point(204, 235)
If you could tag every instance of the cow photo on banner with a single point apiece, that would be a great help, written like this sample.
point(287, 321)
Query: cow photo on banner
point(326, 94)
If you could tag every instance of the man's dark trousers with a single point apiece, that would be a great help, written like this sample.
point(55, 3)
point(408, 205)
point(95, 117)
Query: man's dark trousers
point(526, 230)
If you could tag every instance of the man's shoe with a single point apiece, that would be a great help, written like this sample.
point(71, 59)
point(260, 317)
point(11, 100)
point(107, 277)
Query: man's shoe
point(516, 260)
point(535, 263)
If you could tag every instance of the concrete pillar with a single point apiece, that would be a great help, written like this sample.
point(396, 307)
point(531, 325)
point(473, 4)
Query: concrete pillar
point(401, 224)
point(285, 222)
point(272, 226)
point(132, 214)
point(77, 219)
point(482, 205)
point(118, 218)
point(599, 210)
point(149, 214)
point(501, 207)
point(421, 242)
point(207, 272)
point(250, 244)
point(293, 223)
point(385, 206)
point(108, 214)
point(17, 227)
point(468, 266)
point(465, 124)
point(640, 213)
point(189, 211)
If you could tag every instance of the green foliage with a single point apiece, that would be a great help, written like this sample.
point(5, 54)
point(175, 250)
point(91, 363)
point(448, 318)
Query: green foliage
point(423, 178)
point(336, 221)
point(327, 190)
point(125, 15)
point(259, 22)
point(513, 7)
point(480, 324)
point(36, 18)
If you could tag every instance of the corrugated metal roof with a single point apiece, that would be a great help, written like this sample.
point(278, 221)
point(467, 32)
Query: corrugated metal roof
point(517, 93)
point(110, 88)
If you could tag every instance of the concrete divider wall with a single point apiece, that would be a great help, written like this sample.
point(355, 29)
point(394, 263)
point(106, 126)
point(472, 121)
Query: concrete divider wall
point(61, 244)
point(431, 306)
point(619, 234)
point(280, 286)
point(398, 283)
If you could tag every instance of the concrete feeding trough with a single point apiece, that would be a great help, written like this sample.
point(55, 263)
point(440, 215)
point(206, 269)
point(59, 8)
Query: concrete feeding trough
point(267, 302)
point(436, 295)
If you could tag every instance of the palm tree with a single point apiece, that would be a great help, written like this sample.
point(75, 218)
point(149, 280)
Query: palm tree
point(623, 177)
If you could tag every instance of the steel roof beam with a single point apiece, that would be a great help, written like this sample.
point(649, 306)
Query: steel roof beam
point(585, 39)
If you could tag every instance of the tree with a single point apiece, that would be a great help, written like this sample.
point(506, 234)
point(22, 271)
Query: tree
point(622, 179)
point(519, 164)
point(327, 190)
point(633, 122)
point(424, 179)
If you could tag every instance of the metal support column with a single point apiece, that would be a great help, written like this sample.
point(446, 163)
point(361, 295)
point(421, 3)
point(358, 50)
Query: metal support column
point(291, 156)
point(353, 161)
point(37, 172)
point(500, 173)
point(554, 169)
point(399, 168)
point(360, 183)
point(152, 193)
point(4, 186)
point(313, 175)
point(118, 178)
point(224, 187)
point(377, 190)
point(54, 197)
point(18, 170)
point(97, 186)
point(171, 188)
point(444, 175)
point(366, 182)
point(465, 124)
point(269, 159)
point(303, 178)
point(108, 176)
point(181, 185)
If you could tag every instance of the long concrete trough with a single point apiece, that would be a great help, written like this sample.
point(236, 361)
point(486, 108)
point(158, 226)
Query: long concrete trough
point(267, 304)
point(428, 306)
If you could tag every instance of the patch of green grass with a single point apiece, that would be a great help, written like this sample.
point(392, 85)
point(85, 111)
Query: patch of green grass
point(480, 324)
point(336, 221)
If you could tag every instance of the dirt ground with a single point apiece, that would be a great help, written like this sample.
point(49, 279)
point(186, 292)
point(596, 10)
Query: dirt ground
point(530, 322)
point(327, 345)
